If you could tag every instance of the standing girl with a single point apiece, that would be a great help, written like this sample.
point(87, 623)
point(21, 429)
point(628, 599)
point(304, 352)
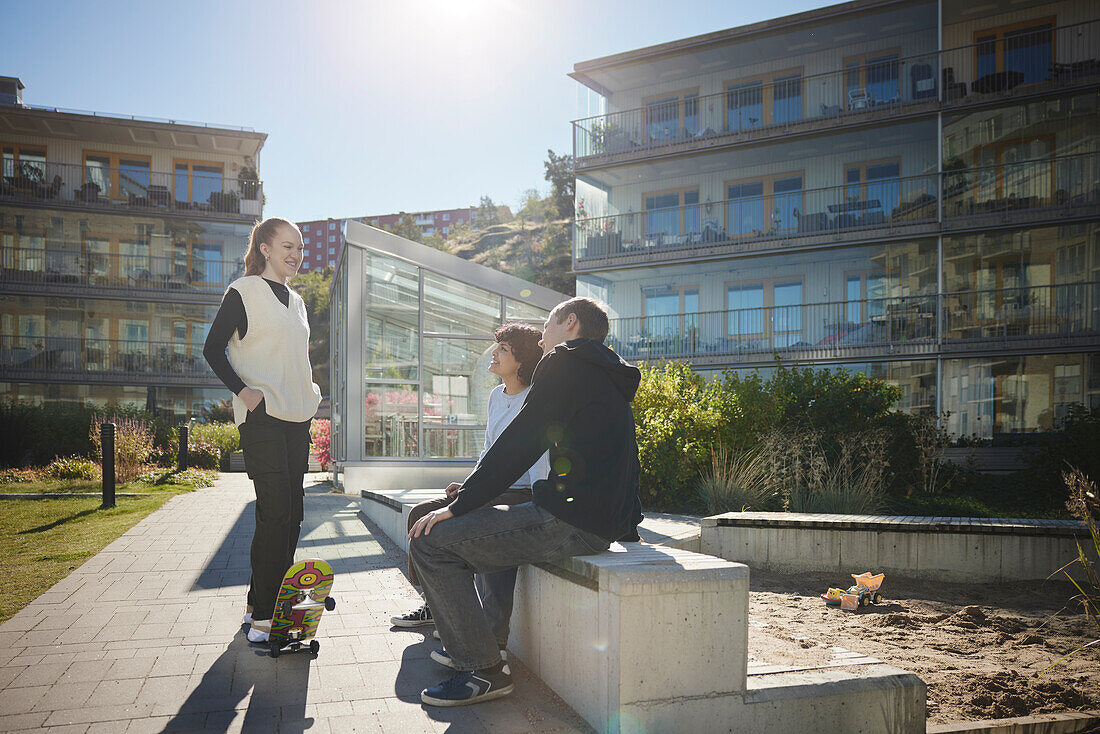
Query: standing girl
point(258, 346)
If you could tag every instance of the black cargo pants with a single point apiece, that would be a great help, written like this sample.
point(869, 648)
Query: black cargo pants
point(276, 456)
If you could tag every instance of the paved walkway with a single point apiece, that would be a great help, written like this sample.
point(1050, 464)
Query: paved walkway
point(146, 637)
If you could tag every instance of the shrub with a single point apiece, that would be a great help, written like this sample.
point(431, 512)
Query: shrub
point(201, 452)
point(321, 433)
point(35, 434)
point(224, 436)
point(133, 443)
point(73, 467)
point(851, 481)
point(736, 482)
point(16, 476)
point(677, 428)
point(1073, 446)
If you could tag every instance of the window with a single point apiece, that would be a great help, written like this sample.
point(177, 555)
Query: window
point(332, 238)
point(195, 181)
point(332, 250)
point(764, 100)
point(117, 176)
point(206, 262)
point(1023, 52)
point(672, 213)
point(769, 311)
point(24, 164)
point(864, 294)
point(305, 253)
point(1018, 169)
point(871, 188)
point(768, 205)
point(670, 310)
point(671, 116)
point(871, 79)
point(305, 240)
point(332, 225)
point(446, 230)
point(459, 221)
point(331, 263)
point(446, 217)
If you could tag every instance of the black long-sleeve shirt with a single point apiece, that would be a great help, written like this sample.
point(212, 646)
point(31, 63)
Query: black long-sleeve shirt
point(232, 317)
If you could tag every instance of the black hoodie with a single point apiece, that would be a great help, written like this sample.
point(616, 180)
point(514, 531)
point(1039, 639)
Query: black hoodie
point(579, 409)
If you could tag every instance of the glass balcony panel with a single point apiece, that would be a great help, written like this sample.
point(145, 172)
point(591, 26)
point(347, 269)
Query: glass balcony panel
point(520, 311)
point(454, 442)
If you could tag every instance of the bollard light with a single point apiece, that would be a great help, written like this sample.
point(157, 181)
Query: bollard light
point(107, 454)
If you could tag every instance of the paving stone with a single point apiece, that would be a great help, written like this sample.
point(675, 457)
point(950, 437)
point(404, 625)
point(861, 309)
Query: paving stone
point(158, 645)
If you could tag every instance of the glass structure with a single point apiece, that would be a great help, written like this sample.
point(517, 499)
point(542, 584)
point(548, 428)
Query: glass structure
point(412, 333)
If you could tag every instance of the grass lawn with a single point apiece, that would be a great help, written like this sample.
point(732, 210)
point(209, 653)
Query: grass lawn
point(43, 540)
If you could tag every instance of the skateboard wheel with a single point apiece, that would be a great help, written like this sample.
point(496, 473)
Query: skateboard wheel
point(275, 649)
point(330, 603)
point(288, 608)
point(314, 646)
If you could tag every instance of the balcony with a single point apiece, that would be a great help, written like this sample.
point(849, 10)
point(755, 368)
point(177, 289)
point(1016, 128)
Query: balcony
point(197, 193)
point(1048, 189)
point(114, 361)
point(1044, 316)
point(877, 209)
point(1040, 316)
point(102, 274)
point(880, 89)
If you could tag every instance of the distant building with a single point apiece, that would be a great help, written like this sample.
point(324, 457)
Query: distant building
point(324, 238)
point(903, 188)
point(118, 236)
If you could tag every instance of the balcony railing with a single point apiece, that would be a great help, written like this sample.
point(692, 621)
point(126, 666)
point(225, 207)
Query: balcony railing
point(1047, 183)
point(1030, 62)
point(864, 327)
point(134, 188)
point(1006, 313)
point(64, 268)
point(51, 354)
point(874, 205)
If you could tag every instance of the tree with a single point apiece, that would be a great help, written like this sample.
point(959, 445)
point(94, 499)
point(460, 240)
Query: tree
point(487, 213)
point(406, 227)
point(563, 182)
point(531, 207)
point(313, 287)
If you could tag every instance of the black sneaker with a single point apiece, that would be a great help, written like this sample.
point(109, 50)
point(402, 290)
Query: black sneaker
point(465, 688)
point(444, 658)
point(416, 618)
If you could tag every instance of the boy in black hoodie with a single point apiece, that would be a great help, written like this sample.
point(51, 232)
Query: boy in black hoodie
point(579, 409)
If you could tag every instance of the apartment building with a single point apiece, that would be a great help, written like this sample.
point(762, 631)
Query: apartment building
point(324, 238)
point(907, 189)
point(118, 236)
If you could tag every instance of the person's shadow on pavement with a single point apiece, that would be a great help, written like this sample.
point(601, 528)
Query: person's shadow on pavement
point(278, 688)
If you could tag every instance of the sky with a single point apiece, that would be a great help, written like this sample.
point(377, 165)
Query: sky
point(369, 107)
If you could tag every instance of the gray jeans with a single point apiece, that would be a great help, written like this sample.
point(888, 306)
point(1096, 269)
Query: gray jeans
point(487, 540)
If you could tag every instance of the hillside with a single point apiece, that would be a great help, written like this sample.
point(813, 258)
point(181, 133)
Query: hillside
point(536, 251)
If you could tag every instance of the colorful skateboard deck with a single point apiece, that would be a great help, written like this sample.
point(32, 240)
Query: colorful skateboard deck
point(302, 598)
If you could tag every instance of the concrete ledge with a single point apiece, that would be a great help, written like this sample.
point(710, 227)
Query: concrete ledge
point(647, 638)
point(940, 548)
point(1065, 723)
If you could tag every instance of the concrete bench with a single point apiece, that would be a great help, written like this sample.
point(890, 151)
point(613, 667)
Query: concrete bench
point(939, 548)
point(990, 459)
point(655, 638)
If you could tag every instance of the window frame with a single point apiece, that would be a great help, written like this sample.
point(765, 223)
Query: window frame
point(998, 148)
point(862, 59)
point(16, 148)
point(113, 168)
point(680, 312)
point(681, 207)
point(767, 182)
point(767, 84)
point(768, 286)
point(680, 99)
point(191, 163)
point(998, 33)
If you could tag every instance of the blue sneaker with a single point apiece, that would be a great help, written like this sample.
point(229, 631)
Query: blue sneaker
point(465, 688)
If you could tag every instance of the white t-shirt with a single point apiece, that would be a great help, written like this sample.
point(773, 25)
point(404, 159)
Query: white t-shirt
point(502, 409)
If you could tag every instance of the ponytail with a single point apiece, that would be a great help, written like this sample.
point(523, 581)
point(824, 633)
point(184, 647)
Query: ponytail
point(263, 232)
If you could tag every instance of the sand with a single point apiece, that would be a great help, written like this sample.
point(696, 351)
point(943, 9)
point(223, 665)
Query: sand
point(980, 648)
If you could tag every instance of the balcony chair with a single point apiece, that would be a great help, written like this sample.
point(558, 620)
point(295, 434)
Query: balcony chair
point(922, 82)
point(951, 88)
point(858, 99)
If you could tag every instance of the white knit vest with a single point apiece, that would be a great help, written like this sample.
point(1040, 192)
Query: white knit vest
point(273, 356)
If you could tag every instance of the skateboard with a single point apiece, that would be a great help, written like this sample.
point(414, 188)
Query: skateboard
point(303, 596)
